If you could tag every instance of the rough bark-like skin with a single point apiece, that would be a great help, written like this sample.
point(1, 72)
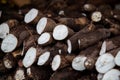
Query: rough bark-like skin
point(29, 42)
point(74, 23)
point(65, 74)
point(39, 73)
point(88, 39)
point(114, 51)
point(112, 43)
point(92, 53)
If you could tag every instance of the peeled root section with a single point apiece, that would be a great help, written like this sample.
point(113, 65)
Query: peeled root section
point(105, 63)
point(78, 63)
point(9, 43)
point(30, 57)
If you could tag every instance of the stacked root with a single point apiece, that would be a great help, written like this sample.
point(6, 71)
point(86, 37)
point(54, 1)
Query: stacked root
point(45, 45)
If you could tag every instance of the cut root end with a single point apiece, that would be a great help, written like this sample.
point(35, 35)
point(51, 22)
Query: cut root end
point(56, 62)
point(78, 63)
point(105, 63)
point(30, 57)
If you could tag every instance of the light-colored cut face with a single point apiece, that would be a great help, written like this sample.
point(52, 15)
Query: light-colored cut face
point(7, 64)
point(19, 75)
point(100, 76)
point(44, 38)
point(96, 16)
point(113, 74)
point(4, 30)
point(60, 32)
point(56, 62)
point(103, 48)
point(30, 57)
point(29, 71)
point(69, 46)
point(43, 58)
point(79, 42)
point(104, 63)
point(9, 43)
point(78, 63)
point(117, 59)
point(31, 15)
point(41, 25)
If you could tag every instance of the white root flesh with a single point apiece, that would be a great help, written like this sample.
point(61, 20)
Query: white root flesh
point(31, 15)
point(113, 74)
point(60, 32)
point(117, 59)
point(78, 63)
point(56, 62)
point(69, 46)
point(105, 63)
point(19, 75)
point(43, 58)
point(100, 76)
point(41, 25)
point(96, 16)
point(30, 57)
point(4, 30)
point(44, 38)
point(103, 48)
point(7, 64)
point(9, 43)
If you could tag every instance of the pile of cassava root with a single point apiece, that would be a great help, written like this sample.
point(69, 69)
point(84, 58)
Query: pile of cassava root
point(61, 42)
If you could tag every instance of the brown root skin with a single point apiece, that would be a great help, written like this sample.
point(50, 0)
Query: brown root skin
point(65, 61)
point(2, 67)
point(86, 39)
point(29, 42)
point(66, 74)
point(74, 23)
point(39, 73)
point(12, 23)
point(34, 18)
point(112, 43)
